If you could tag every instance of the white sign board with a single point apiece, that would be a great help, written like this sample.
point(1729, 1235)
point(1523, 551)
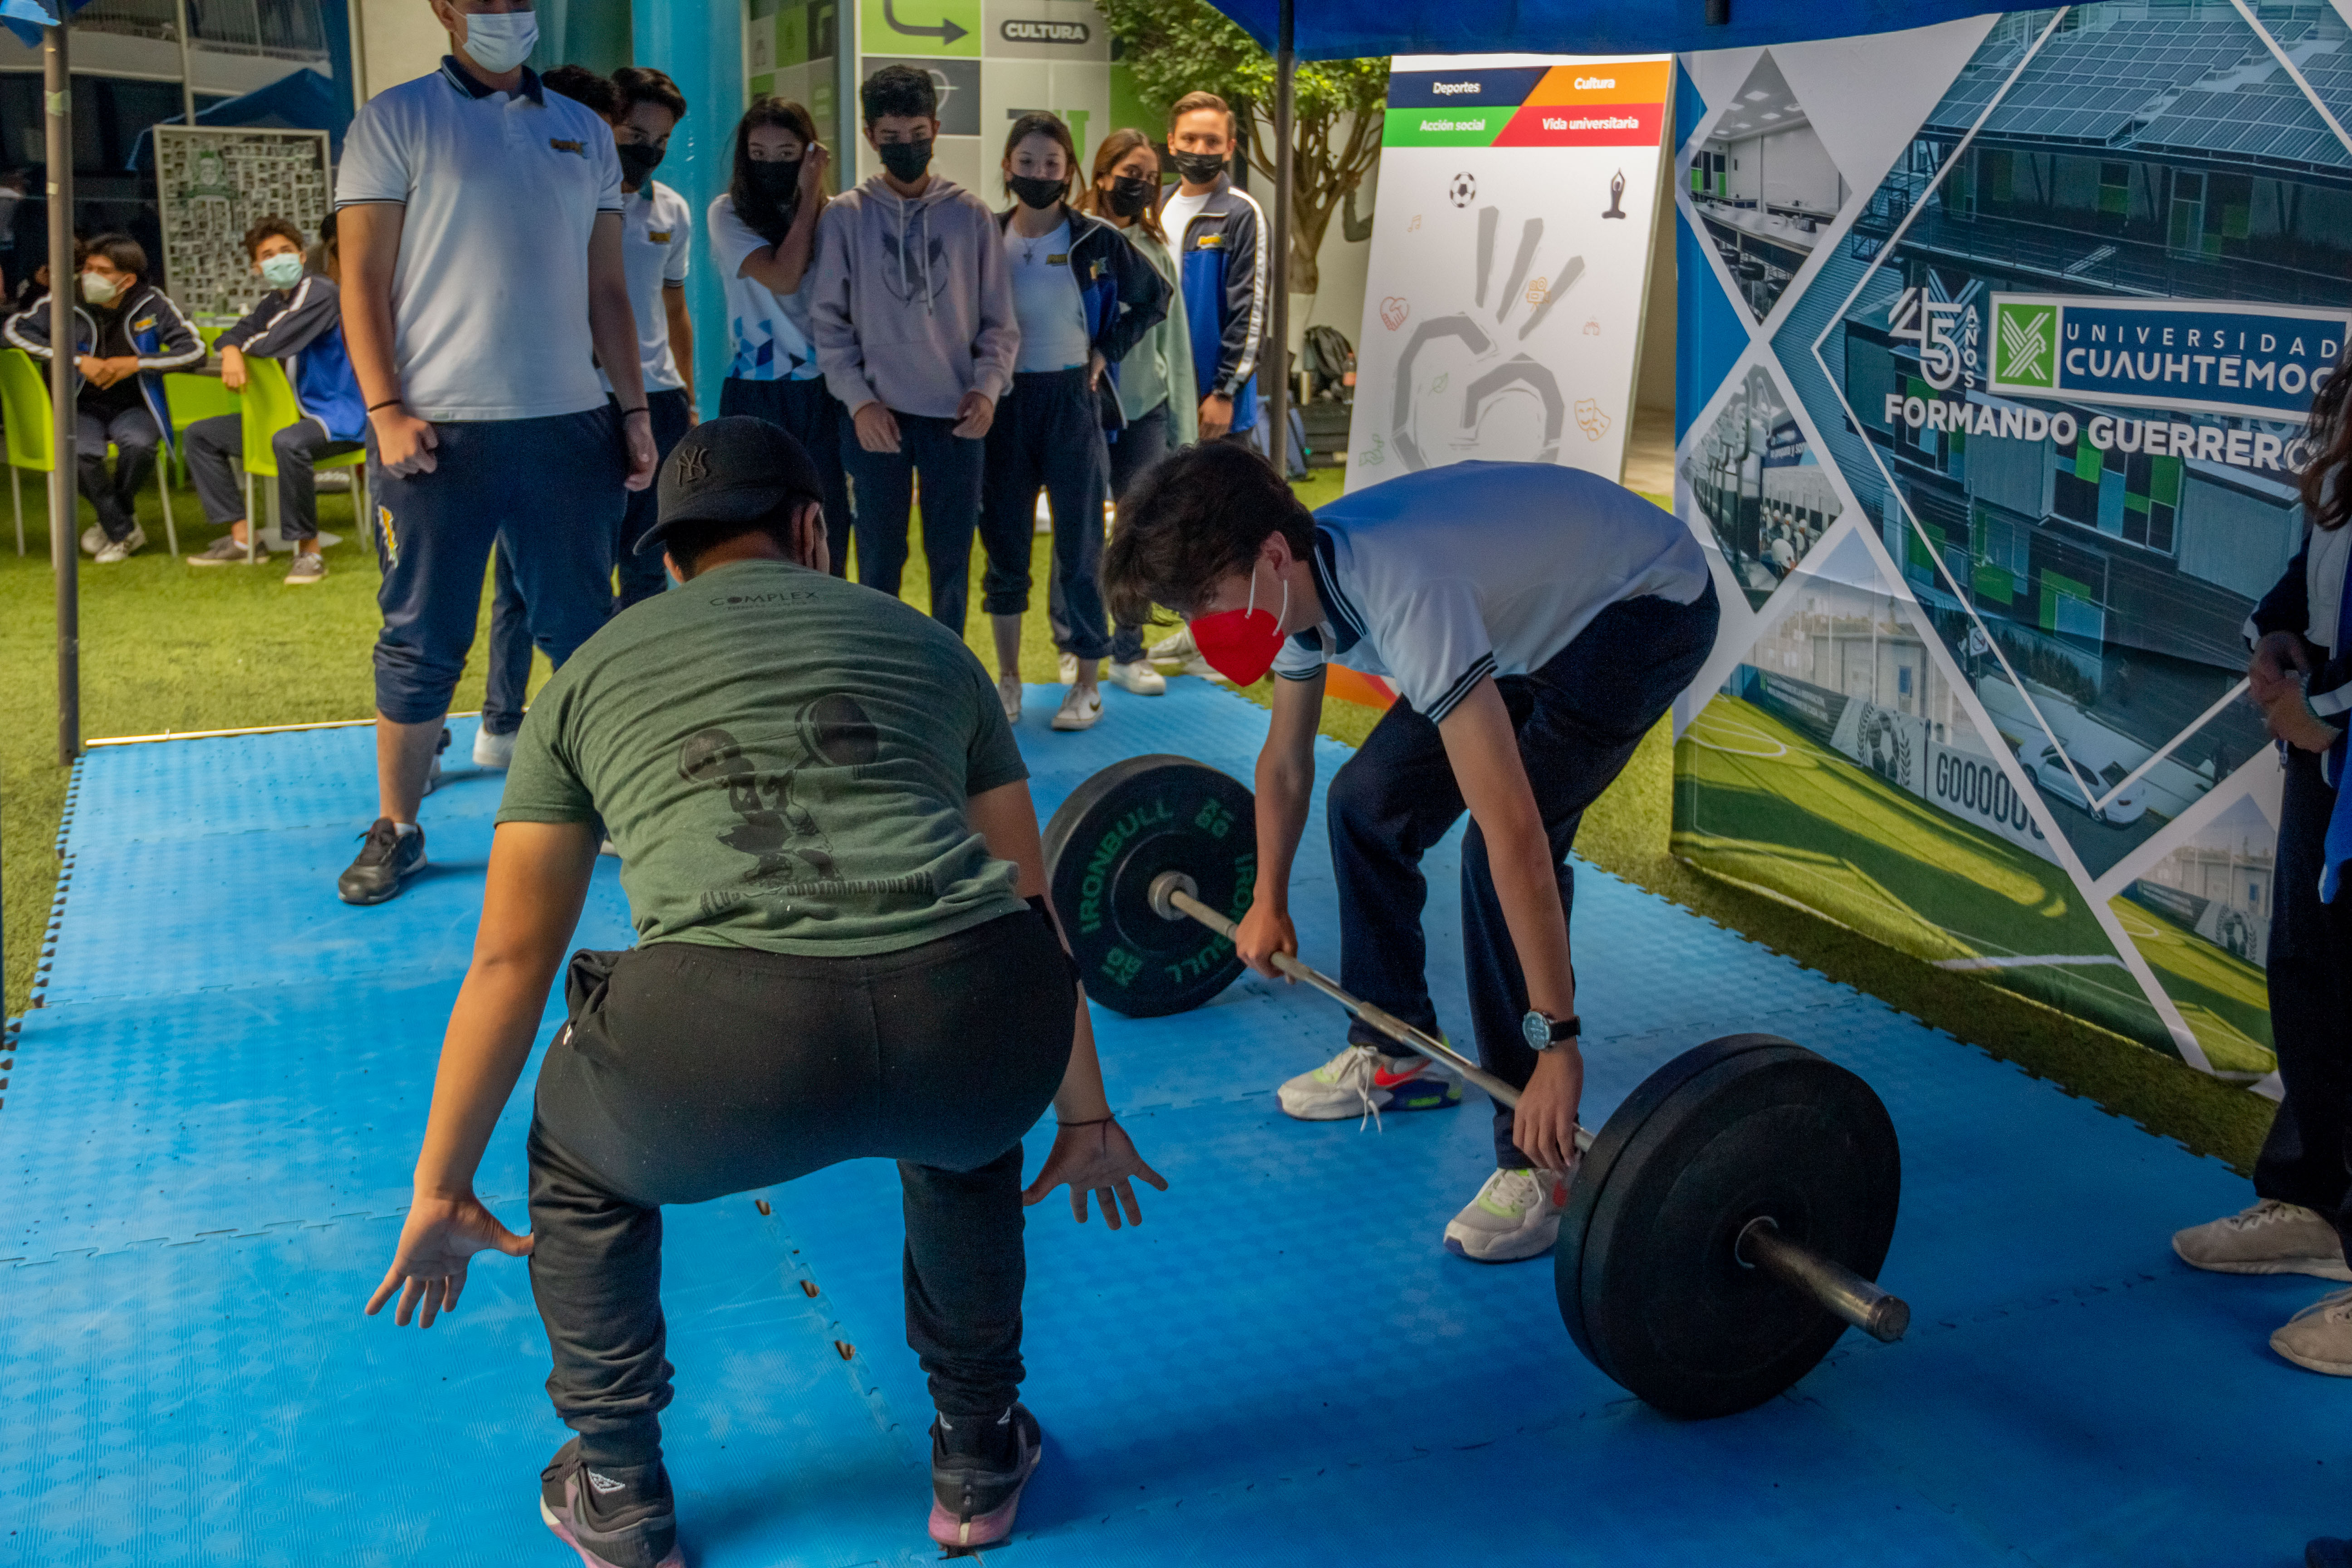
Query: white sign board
point(1510, 264)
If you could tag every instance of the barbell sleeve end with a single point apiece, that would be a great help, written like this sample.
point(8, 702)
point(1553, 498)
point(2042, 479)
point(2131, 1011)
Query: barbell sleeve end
point(1842, 1292)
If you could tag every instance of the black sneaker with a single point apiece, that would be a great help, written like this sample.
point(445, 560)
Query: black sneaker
point(387, 857)
point(433, 777)
point(618, 1517)
point(978, 1469)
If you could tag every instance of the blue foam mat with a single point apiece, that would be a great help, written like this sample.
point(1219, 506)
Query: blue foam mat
point(205, 1148)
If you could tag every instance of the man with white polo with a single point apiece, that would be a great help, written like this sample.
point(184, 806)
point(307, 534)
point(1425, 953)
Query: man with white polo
point(483, 283)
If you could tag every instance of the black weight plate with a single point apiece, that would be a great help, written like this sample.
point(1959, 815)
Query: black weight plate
point(1117, 832)
point(1647, 1279)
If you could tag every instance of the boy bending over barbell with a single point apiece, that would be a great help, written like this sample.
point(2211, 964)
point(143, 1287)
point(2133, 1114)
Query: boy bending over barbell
point(1537, 621)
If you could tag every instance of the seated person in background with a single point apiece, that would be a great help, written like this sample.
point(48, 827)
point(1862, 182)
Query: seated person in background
point(299, 320)
point(844, 952)
point(128, 333)
point(1538, 622)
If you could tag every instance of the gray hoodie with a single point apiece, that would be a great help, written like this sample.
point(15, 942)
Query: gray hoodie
point(913, 304)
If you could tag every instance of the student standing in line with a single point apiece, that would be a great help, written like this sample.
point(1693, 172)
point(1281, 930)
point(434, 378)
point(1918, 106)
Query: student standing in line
point(129, 335)
point(643, 106)
point(2300, 677)
point(763, 237)
point(1154, 381)
point(483, 283)
point(1082, 296)
point(299, 321)
point(1220, 236)
point(915, 334)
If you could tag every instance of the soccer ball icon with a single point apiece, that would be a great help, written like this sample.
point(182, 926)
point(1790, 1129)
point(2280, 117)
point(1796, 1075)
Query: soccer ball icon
point(1462, 190)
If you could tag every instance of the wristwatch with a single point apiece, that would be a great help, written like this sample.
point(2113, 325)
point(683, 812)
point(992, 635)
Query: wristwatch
point(1544, 1032)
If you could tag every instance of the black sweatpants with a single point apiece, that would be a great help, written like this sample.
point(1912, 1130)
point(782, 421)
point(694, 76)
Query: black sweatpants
point(815, 417)
point(1048, 434)
point(882, 502)
point(133, 431)
point(2307, 1158)
point(216, 443)
point(1134, 452)
point(640, 577)
point(1579, 720)
point(689, 1073)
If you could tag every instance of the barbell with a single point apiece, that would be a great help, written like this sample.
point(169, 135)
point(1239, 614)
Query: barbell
point(1722, 1229)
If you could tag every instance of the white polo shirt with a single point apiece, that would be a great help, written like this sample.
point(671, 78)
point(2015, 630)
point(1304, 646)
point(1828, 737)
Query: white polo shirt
point(1442, 578)
point(656, 241)
point(489, 297)
point(772, 334)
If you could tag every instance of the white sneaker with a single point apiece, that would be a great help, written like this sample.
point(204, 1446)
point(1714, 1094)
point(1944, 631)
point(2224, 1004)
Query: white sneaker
point(1008, 693)
point(1178, 650)
point(1067, 670)
point(2271, 1237)
point(93, 540)
point(1138, 677)
point(1079, 710)
point(2319, 1338)
point(114, 552)
point(1359, 1080)
point(493, 751)
point(1515, 1215)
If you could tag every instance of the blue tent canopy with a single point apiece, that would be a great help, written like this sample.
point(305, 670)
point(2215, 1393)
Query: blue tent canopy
point(301, 100)
point(26, 18)
point(1351, 30)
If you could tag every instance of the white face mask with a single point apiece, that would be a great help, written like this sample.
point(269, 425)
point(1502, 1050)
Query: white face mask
point(98, 289)
point(501, 40)
point(282, 270)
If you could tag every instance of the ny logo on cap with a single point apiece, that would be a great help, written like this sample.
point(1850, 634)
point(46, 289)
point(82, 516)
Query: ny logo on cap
point(693, 464)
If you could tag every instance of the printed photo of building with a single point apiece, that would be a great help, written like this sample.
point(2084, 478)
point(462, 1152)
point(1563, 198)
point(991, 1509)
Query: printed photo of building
point(2091, 563)
point(1764, 187)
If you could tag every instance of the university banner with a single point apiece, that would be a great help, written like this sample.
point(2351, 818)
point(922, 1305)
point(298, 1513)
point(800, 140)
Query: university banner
point(1502, 308)
point(1998, 339)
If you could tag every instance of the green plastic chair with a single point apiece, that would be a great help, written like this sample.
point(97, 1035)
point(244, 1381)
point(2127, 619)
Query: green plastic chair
point(32, 437)
point(269, 408)
point(188, 397)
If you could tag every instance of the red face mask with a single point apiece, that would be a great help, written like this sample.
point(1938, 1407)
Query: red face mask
point(1241, 645)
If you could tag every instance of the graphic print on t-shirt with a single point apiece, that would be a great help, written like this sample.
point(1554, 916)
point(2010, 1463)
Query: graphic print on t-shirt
point(790, 851)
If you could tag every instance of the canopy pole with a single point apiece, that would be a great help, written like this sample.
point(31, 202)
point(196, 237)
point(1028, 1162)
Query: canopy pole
point(65, 555)
point(187, 80)
point(1276, 400)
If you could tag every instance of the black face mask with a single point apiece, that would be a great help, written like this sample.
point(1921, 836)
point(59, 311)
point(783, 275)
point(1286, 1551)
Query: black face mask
point(906, 160)
point(1200, 168)
point(1130, 195)
point(777, 180)
point(639, 160)
point(1036, 193)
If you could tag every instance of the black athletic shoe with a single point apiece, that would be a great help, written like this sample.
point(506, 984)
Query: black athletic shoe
point(618, 1517)
point(978, 1469)
point(2328, 1552)
point(387, 857)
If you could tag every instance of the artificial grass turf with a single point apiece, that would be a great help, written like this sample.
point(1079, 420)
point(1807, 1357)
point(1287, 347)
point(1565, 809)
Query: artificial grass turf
point(166, 646)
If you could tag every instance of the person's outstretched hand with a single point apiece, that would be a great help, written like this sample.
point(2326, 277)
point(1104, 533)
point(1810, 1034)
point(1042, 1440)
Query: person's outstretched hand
point(1096, 1159)
point(437, 1242)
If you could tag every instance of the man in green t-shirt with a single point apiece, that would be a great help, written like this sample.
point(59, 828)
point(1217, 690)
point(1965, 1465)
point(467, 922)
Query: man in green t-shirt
point(832, 866)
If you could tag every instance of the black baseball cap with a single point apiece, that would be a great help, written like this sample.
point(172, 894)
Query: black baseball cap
point(733, 469)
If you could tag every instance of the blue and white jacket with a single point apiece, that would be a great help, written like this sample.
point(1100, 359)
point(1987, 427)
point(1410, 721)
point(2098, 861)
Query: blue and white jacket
point(159, 331)
point(1124, 295)
point(1223, 270)
point(303, 326)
